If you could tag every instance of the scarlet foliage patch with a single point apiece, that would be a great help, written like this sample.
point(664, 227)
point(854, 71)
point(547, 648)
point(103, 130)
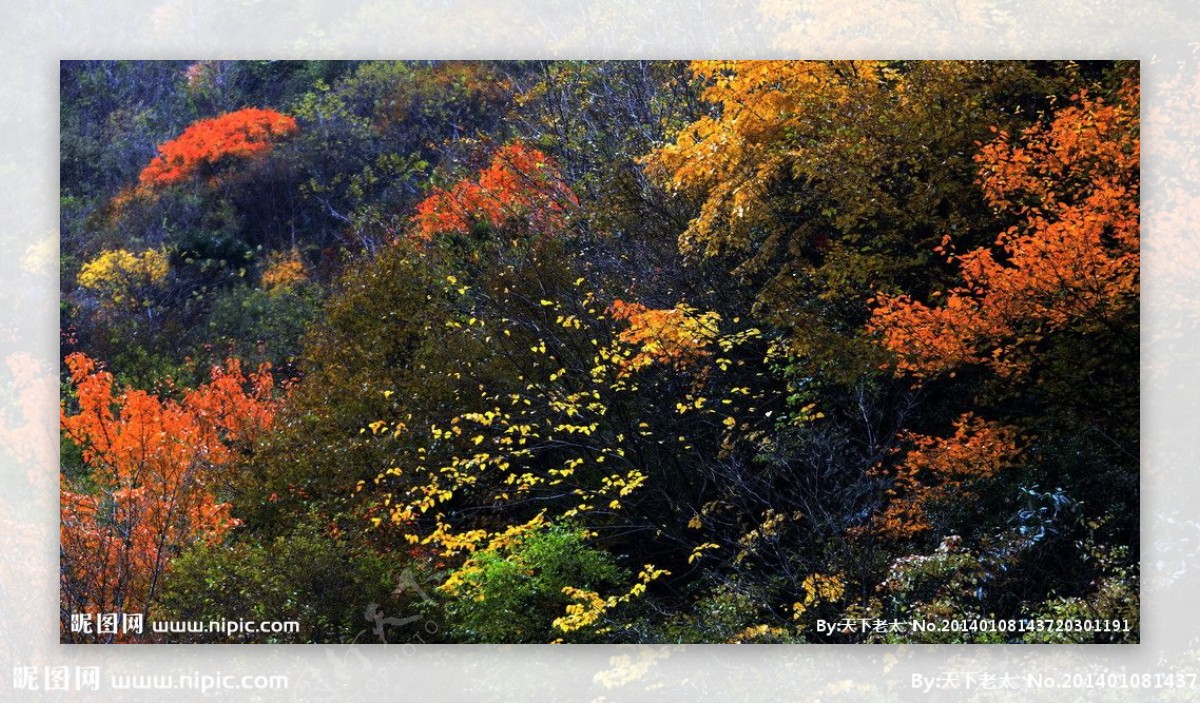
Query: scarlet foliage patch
point(239, 134)
point(940, 468)
point(1071, 261)
point(153, 466)
point(520, 183)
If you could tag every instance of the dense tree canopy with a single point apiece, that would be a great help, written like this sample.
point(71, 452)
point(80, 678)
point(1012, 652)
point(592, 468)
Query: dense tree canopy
point(602, 351)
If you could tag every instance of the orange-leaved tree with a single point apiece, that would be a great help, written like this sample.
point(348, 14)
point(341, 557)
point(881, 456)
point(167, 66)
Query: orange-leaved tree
point(1071, 260)
point(151, 470)
point(735, 159)
point(520, 183)
point(679, 336)
point(1068, 267)
point(826, 181)
point(937, 468)
point(206, 143)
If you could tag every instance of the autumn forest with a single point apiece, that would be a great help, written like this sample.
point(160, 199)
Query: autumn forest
point(600, 352)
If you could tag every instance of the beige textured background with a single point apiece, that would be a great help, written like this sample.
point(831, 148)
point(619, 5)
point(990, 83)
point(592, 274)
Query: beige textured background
point(1165, 35)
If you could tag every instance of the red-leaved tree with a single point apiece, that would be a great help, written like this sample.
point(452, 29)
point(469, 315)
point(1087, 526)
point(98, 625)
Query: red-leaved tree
point(149, 490)
point(207, 143)
point(520, 183)
point(1070, 264)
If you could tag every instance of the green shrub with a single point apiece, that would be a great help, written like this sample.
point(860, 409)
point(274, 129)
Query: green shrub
point(513, 595)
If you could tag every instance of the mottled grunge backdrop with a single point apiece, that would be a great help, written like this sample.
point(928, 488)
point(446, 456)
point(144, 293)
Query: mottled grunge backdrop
point(35, 666)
